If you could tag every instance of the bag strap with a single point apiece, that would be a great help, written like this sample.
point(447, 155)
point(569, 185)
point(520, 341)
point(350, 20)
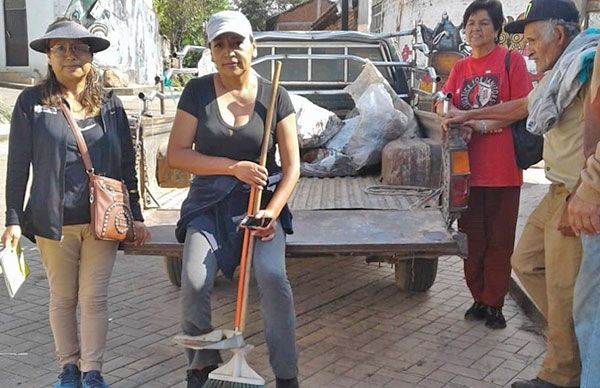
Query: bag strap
point(85, 155)
point(507, 66)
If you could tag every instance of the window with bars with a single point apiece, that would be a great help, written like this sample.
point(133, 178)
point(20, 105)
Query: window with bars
point(319, 70)
point(377, 17)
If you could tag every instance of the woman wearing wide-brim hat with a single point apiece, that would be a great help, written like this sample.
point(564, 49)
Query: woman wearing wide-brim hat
point(57, 214)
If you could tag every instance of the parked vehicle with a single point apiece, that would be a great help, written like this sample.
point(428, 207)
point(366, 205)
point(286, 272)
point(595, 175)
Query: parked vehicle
point(408, 222)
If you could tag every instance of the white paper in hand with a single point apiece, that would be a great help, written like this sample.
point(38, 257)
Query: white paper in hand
point(14, 268)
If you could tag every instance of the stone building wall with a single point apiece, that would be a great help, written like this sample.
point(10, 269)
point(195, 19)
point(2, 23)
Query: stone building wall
point(132, 29)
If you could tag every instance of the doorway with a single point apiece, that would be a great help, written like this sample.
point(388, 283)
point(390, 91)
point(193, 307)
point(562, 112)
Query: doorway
point(15, 33)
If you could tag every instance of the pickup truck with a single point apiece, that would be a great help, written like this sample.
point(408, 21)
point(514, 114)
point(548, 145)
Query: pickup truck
point(408, 222)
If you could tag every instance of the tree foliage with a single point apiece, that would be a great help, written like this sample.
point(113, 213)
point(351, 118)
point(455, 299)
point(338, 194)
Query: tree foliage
point(4, 113)
point(258, 11)
point(182, 21)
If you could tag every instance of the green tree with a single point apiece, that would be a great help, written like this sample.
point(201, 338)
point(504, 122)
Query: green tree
point(258, 11)
point(4, 113)
point(182, 21)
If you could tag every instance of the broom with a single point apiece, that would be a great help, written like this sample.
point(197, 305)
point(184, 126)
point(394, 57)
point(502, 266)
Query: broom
point(237, 373)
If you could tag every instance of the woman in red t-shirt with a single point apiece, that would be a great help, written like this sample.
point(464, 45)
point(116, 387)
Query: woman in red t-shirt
point(490, 221)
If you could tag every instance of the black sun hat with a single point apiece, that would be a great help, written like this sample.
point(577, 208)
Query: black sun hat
point(545, 10)
point(68, 29)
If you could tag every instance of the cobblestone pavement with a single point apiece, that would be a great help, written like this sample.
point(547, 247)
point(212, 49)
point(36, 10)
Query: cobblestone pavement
point(355, 328)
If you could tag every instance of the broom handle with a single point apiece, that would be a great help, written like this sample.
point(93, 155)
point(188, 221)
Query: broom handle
point(243, 265)
point(241, 311)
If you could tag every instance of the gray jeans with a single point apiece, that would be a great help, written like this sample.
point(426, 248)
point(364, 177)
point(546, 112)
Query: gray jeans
point(277, 305)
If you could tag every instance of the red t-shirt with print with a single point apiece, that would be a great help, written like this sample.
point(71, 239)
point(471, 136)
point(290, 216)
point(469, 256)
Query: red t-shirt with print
point(480, 82)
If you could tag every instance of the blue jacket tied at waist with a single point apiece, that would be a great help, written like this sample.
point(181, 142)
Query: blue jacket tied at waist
point(214, 207)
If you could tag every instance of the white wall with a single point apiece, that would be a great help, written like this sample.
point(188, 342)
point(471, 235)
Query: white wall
point(131, 26)
point(132, 29)
point(430, 11)
point(399, 15)
point(40, 13)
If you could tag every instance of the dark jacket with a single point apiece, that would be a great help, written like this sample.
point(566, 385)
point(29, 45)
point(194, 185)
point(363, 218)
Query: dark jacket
point(215, 205)
point(38, 138)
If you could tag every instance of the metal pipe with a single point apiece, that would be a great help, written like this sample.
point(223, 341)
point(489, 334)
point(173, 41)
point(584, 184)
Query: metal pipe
point(445, 98)
point(182, 70)
point(162, 100)
point(422, 47)
point(327, 57)
point(344, 15)
point(181, 54)
point(316, 36)
point(151, 95)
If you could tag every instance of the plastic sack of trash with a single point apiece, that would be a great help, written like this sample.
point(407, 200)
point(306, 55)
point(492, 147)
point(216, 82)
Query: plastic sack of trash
point(331, 161)
point(378, 123)
point(370, 75)
point(326, 163)
point(382, 117)
point(315, 125)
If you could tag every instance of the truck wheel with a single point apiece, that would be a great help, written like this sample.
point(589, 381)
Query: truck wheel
point(416, 274)
point(173, 269)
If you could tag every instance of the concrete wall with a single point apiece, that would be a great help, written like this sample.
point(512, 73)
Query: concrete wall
point(40, 13)
point(400, 14)
point(132, 29)
point(130, 25)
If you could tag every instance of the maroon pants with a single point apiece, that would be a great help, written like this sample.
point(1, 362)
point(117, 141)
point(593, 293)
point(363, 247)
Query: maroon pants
point(490, 223)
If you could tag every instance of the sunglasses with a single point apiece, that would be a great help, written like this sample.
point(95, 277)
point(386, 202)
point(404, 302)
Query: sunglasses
point(79, 49)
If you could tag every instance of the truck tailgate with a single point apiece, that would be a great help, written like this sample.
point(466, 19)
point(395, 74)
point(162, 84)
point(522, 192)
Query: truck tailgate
point(340, 215)
point(335, 215)
point(370, 231)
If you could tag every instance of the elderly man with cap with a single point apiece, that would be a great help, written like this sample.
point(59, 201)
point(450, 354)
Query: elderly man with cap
point(217, 136)
point(548, 254)
point(57, 215)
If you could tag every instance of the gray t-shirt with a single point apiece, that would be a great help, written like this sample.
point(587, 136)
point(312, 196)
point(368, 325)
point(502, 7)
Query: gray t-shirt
point(214, 137)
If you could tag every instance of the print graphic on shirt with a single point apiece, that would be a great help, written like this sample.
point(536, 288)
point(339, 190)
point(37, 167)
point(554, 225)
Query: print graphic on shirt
point(45, 109)
point(479, 91)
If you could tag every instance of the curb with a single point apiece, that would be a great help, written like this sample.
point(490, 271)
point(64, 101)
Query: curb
point(132, 90)
point(14, 85)
point(523, 300)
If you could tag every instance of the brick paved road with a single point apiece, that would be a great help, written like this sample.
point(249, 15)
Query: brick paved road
point(355, 329)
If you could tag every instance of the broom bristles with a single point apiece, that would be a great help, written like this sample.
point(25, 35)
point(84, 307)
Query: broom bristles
point(212, 383)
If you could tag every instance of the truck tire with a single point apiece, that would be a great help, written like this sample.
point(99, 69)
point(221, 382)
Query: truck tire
point(416, 274)
point(173, 269)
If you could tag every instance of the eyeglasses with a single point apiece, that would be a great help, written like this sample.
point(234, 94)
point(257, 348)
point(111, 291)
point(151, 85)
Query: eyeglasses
point(79, 49)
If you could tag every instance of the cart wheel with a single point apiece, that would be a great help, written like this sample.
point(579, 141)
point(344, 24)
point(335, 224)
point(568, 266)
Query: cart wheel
point(416, 274)
point(173, 269)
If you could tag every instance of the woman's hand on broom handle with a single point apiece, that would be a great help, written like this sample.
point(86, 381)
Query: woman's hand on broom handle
point(250, 173)
point(265, 233)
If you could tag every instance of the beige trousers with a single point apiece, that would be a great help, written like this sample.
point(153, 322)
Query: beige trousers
point(547, 264)
point(78, 269)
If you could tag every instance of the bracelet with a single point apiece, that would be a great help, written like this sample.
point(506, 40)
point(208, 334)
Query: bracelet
point(482, 126)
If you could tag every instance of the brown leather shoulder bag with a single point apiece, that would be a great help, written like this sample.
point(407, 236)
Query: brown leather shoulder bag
point(109, 199)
